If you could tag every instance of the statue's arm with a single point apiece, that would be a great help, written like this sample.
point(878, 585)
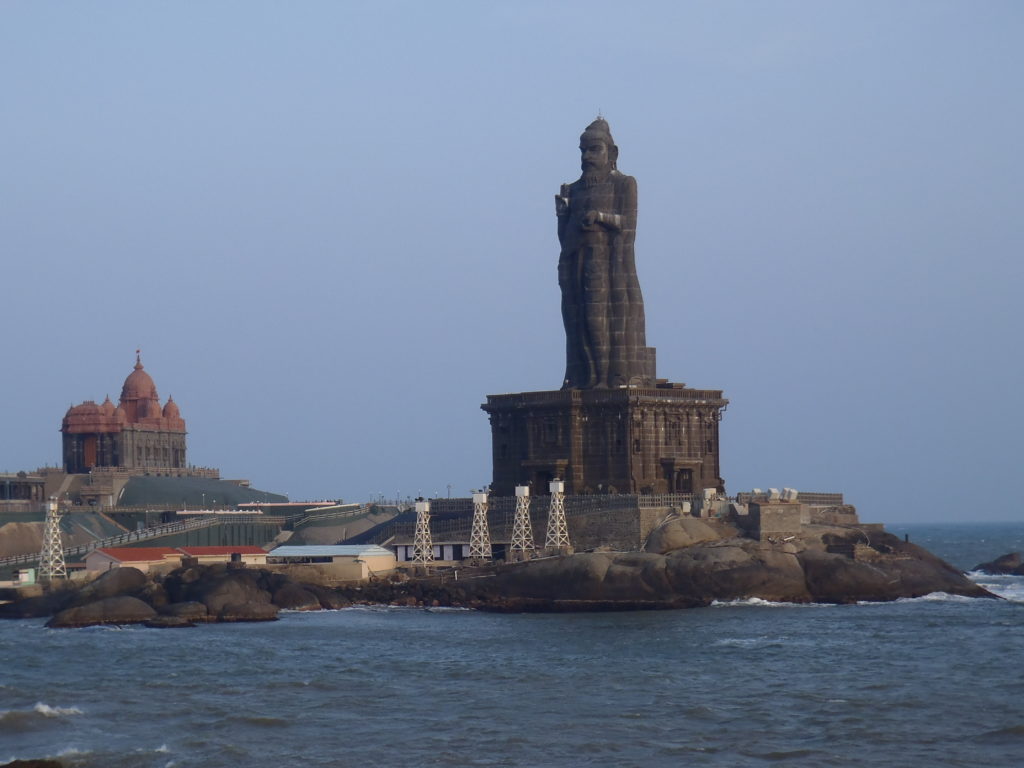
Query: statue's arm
point(562, 211)
point(624, 216)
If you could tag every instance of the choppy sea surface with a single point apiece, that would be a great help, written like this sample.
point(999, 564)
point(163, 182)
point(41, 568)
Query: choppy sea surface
point(934, 681)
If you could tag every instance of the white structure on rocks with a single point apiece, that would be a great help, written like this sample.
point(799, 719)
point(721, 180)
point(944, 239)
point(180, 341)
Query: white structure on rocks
point(51, 559)
point(522, 528)
point(423, 548)
point(480, 537)
point(558, 532)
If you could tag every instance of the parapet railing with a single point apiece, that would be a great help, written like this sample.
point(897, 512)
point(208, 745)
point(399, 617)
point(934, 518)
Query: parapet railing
point(341, 514)
point(579, 395)
point(113, 541)
point(804, 497)
point(146, 534)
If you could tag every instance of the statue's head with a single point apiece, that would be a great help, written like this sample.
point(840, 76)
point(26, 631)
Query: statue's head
point(598, 153)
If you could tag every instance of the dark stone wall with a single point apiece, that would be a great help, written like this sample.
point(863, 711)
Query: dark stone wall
point(131, 448)
point(628, 440)
point(617, 522)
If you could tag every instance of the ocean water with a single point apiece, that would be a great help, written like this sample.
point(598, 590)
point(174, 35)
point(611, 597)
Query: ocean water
point(929, 682)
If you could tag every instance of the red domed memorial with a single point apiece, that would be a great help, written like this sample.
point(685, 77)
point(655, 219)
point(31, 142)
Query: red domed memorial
point(138, 433)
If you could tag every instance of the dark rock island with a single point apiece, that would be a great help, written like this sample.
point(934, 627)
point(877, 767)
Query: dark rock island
point(635, 456)
point(1007, 565)
point(688, 563)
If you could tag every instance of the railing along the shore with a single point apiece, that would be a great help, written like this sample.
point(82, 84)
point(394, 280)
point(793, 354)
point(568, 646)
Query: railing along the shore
point(145, 534)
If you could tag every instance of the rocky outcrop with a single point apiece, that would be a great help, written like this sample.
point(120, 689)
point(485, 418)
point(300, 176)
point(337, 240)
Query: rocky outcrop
point(725, 570)
point(250, 611)
point(294, 597)
point(330, 599)
point(108, 610)
point(228, 593)
point(688, 562)
point(34, 607)
point(169, 622)
point(117, 581)
point(190, 611)
point(735, 569)
point(693, 562)
point(182, 598)
point(679, 532)
point(1007, 565)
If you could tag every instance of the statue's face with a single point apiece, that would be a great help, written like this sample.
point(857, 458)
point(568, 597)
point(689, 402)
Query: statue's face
point(593, 155)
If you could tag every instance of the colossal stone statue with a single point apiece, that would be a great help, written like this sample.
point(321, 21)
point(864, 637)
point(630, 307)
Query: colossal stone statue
point(602, 307)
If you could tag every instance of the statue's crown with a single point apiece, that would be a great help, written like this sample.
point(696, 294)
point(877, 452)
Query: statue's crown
point(598, 129)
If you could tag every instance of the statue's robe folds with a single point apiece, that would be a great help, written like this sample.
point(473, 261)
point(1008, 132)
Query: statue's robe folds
point(602, 307)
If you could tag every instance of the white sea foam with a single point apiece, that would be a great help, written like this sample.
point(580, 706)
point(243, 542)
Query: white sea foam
point(931, 597)
point(757, 602)
point(73, 752)
point(162, 749)
point(17, 718)
point(47, 711)
point(741, 642)
point(937, 597)
point(1006, 586)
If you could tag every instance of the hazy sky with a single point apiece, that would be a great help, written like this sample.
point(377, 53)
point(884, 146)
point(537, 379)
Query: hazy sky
point(329, 227)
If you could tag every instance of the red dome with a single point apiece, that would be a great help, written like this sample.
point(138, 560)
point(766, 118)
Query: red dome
point(171, 409)
point(139, 385)
point(88, 417)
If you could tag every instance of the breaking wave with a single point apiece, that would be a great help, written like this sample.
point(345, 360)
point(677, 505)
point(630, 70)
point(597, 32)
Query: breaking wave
point(1008, 587)
point(757, 602)
point(38, 711)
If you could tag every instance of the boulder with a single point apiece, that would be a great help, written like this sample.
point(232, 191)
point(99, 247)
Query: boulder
point(874, 566)
point(191, 611)
point(679, 532)
point(573, 577)
point(252, 611)
point(1009, 564)
point(737, 569)
point(33, 607)
point(330, 600)
point(215, 587)
point(638, 578)
point(169, 622)
point(154, 594)
point(109, 610)
point(115, 582)
point(294, 597)
point(836, 578)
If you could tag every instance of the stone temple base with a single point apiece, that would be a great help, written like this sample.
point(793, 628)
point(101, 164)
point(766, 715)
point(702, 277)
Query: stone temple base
point(662, 439)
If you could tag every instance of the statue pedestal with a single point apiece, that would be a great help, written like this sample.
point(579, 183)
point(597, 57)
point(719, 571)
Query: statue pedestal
point(662, 439)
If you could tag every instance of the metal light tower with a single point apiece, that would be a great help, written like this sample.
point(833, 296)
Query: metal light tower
point(422, 546)
point(522, 528)
point(51, 559)
point(558, 532)
point(480, 537)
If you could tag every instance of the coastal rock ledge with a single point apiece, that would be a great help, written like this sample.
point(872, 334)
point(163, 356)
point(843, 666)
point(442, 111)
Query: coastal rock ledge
point(1010, 564)
point(183, 598)
point(688, 563)
point(691, 562)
